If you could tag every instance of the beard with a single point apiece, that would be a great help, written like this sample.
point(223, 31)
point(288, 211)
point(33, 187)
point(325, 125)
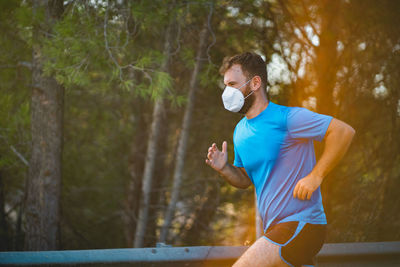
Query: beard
point(248, 102)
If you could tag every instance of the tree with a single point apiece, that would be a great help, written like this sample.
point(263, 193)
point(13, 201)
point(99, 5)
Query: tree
point(184, 135)
point(44, 183)
point(151, 152)
point(336, 65)
point(108, 58)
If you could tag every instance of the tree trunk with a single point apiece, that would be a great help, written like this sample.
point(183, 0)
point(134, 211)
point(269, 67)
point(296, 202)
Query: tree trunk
point(326, 57)
point(161, 174)
point(136, 163)
point(326, 66)
point(44, 181)
point(152, 152)
point(182, 145)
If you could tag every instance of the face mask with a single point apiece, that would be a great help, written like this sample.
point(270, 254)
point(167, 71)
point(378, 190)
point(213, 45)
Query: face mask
point(233, 98)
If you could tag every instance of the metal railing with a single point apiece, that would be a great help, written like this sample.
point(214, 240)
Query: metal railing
point(338, 254)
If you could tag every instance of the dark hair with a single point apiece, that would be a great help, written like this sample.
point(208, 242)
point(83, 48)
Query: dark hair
point(251, 63)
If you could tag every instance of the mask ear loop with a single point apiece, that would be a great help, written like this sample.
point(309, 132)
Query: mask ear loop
point(241, 87)
point(244, 85)
point(249, 94)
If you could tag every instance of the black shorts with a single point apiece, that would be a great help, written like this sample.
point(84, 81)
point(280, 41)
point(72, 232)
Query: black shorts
point(299, 241)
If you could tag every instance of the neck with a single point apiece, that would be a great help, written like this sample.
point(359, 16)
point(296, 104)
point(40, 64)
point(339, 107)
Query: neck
point(260, 103)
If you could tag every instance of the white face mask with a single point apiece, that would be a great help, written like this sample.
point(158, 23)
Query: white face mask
point(233, 98)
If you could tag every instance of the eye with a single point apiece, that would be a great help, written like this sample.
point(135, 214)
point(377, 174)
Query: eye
point(221, 85)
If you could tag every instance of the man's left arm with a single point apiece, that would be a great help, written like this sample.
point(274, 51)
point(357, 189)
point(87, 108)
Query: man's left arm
point(337, 140)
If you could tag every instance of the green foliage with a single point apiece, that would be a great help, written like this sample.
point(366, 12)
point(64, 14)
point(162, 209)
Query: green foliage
point(188, 57)
point(74, 50)
point(177, 100)
point(111, 87)
point(160, 85)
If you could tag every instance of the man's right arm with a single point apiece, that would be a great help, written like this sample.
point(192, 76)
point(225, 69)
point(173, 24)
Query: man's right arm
point(235, 176)
point(218, 160)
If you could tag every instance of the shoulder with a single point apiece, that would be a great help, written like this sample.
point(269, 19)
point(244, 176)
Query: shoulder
point(292, 111)
point(304, 114)
point(304, 123)
point(294, 116)
point(279, 113)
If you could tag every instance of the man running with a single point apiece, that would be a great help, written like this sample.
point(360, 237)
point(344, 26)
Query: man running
point(274, 150)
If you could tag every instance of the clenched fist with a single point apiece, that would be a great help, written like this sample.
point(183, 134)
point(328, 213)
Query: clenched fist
point(306, 186)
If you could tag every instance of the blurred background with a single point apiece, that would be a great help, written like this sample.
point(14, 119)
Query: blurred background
point(107, 109)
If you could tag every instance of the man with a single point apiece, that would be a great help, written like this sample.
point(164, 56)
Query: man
point(274, 150)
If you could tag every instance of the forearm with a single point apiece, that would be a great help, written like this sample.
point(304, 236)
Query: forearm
point(235, 176)
point(337, 143)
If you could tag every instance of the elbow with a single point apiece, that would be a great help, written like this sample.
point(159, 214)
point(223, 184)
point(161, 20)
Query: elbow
point(243, 184)
point(246, 185)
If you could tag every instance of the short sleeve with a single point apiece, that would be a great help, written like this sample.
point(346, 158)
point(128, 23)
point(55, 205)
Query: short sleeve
point(238, 161)
point(305, 124)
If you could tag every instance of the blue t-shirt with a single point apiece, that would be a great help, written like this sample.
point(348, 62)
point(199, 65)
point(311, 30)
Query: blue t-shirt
point(276, 149)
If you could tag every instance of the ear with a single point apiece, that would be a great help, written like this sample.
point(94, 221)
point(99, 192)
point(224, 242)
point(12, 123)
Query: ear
point(256, 83)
